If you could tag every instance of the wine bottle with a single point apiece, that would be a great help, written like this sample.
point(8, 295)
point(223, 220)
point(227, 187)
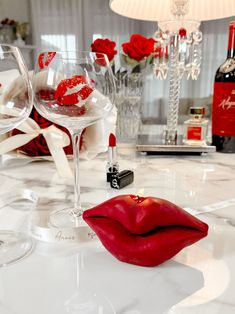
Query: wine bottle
point(223, 110)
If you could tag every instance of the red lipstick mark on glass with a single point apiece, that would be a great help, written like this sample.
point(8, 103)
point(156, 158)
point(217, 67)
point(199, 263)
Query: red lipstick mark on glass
point(73, 90)
point(45, 59)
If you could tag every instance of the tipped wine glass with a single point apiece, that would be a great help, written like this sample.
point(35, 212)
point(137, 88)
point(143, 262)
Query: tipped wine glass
point(74, 90)
point(16, 100)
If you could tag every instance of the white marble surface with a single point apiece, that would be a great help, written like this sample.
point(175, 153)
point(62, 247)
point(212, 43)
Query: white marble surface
point(56, 278)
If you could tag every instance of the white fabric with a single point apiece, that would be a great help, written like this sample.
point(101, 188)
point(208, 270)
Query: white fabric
point(55, 138)
point(63, 21)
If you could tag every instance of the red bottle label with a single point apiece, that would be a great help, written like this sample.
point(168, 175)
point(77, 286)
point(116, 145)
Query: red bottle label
point(194, 133)
point(223, 113)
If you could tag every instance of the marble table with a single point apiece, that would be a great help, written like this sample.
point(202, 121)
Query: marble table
point(84, 278)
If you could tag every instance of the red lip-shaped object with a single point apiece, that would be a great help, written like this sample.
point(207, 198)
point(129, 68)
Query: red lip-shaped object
point(73, 90)
point(144, 231)
point(45, 59)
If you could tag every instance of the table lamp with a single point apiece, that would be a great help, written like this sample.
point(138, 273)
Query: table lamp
point(179, 36)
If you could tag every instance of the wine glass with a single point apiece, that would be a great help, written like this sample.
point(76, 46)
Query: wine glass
point(74, 90)
point(16, 100)
point(16, 96)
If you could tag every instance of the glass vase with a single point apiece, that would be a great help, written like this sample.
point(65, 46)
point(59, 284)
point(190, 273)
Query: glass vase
point(128, 101)
point(6, 34)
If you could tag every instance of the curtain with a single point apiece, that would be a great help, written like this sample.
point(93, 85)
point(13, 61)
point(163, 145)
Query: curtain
point(57, 24)
point(74, 24)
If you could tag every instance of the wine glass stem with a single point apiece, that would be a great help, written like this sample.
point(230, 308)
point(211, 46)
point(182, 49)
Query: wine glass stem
point(76, 136)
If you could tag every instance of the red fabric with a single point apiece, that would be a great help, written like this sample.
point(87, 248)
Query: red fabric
point(144, 231)
point(138, 47)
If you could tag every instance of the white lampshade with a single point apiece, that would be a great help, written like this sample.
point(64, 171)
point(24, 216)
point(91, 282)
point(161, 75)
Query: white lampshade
point(160, 10)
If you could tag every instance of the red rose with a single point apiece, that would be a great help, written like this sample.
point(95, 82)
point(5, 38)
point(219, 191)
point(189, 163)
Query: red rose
point(139, 47)
point(105, 46)
point(38, 146)
point(12, 22)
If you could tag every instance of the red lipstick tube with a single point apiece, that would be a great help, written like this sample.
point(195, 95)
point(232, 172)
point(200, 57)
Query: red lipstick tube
point(112, 164)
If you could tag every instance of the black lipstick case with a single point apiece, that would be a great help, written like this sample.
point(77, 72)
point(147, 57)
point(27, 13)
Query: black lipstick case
point(121, 179)
point(112, 170)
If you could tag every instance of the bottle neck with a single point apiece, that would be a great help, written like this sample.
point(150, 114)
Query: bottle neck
point(231, 41)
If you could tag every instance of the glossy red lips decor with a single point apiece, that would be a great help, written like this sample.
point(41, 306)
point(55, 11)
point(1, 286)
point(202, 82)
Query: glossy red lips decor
point(73, 91)
point(144, 231)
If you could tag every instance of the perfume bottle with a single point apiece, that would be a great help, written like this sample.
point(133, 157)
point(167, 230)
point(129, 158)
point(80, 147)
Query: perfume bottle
point(196, 128)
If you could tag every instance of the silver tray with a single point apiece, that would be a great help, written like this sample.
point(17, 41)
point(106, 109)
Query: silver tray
point(154, 144)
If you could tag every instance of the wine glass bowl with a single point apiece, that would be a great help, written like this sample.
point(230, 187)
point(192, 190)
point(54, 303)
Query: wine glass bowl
point(16, 101)
point(74, 90)
point(16, 96)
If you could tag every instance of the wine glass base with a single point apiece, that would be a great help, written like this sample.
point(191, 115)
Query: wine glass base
point(14, 246)
point(65, 218)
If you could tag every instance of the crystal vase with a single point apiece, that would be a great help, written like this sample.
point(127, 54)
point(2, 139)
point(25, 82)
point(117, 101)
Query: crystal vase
point(128, 101)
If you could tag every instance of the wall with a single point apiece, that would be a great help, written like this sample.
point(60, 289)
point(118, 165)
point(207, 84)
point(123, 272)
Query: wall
point(14, 9)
